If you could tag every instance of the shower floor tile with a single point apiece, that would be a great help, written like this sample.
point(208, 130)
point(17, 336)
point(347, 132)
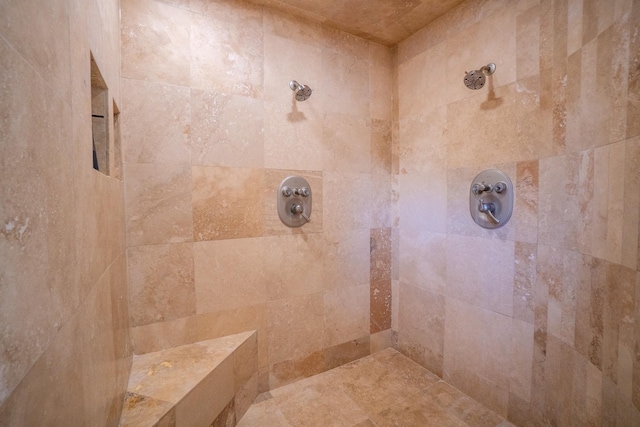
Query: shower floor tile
point(385, 389)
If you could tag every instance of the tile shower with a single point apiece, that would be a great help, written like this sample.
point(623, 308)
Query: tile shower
point(538, 320)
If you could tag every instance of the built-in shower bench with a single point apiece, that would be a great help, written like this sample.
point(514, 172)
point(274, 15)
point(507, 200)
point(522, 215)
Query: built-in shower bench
point(201, 384)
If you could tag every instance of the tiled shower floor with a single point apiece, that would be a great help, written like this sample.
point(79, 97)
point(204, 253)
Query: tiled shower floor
point(384, 389)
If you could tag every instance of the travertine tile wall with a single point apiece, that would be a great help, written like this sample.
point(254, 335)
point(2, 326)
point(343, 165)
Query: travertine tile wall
point(539, 320)
point(64, 336)
point(210, 129)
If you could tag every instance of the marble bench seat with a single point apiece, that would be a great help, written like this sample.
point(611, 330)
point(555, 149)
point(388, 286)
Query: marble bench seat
point(206, 383)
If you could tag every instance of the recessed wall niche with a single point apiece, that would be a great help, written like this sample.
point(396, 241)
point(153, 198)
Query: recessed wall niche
point(99, 119)
point(116, 169)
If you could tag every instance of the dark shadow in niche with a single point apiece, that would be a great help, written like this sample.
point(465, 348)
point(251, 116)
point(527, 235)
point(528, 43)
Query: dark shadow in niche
point(492, 102)
point(295, 115)
point(99, 119)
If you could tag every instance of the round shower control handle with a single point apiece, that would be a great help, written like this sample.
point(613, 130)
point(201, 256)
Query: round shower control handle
point(286, 192)
point(479, 188)
point(299, 209)
point(489, 209)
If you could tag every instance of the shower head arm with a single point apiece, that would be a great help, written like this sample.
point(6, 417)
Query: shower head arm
point(488, 69)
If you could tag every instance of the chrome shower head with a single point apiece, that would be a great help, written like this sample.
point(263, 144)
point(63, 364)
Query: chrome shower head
point(302, 93)
point(476, 79)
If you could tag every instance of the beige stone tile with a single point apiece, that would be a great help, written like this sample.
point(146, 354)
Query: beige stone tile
point(220, 284)
point(96, 351)
point(341, 42)
point(529, 116)
point(491, 40)
point(226, 48)
point(346, 352)
point(295, 372)
point(245, 396)
point(525, 264)
point(380, 305)
point(421, 325)
point(161, 283)
point(206, 401)
point(559, 373)
point(380, 341)
point(338, 187)
point(345, 83)
point(380, 146)
point(140, 409)
point(476, 353)
point(492, 139)
point(293, 265)
point(277, 22)
point(347, 259)
point(346, 314)
point(424, 38)
point(423, 261)
point(423, 206)
point(287, 59)
point(525, 215)
point(417, 92)
point(295, 327)
point(380, 253)
point(33, 402)
point(265, 413)
point(469, 280)
point(528, 42)
point(381, 86)
point(423, 143)
point(162, 335)
point(552, 201)
point(155, 42)
point(381, 200)
point(293, 134)
point(227, 203)
point(314, 406)
point(156, 122)
point(38, 215)
point(633, 92)
point(40, 34)
point(347, 143)
point(521, 359)
point(149, 192)
point(631, 212)
point(272, 223)
point(226, 130)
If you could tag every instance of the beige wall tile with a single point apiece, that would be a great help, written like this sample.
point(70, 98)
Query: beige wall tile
point(220, 284)
point(149, 191)
point(413, 85)
point(161, 283)
point(227, 130)
point(347, 143)
point(347, 259)
point(381, 85)
point(156, 122)
point(296, 327)
point(423, 206)
point(380, 146)
point(44, 43)
point(423, 143)
point(338, 187)
point(527, 42)
point(469, 279)
point(155, 42)
point(346, 314)
point(226, 51)
point(293, 134)
point(491, 40)
point(227, 203)
point(293, 265)
point(162, 335)
point(421, 324)
point(346, 84)
point(423, 263)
